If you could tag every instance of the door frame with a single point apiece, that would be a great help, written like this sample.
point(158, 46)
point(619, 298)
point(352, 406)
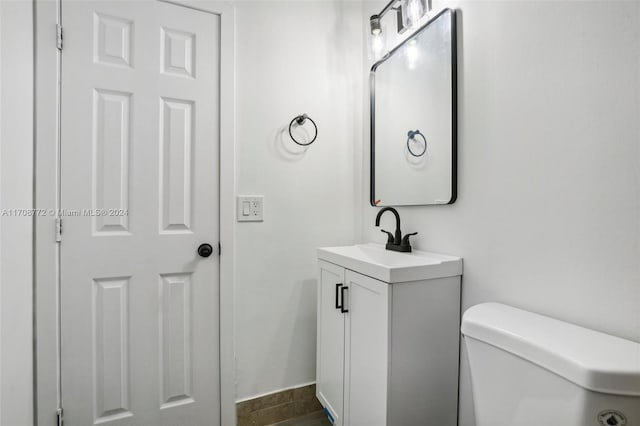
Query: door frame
point(46, 253)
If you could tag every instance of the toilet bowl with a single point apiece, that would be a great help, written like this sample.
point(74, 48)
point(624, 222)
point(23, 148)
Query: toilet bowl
point(532, 370)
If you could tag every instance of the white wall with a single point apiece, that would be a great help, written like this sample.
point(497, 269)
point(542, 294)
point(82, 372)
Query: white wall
point(292, 57)
point(16, 158)
point(548, 210)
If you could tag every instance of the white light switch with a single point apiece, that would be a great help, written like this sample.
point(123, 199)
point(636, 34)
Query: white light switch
point(250, 208)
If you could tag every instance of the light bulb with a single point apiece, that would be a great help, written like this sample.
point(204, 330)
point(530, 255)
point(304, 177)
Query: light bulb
point(412, 54)
point(378, 46)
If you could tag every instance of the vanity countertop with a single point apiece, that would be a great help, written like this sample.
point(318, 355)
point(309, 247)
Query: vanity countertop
point(392, 267)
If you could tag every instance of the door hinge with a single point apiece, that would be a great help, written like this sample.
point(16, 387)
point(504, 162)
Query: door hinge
point(219, 249)
point(59, 36)
point(58, 229)
point(59, 417)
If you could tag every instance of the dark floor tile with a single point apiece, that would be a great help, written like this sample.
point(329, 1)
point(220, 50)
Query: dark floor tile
point(315, 419)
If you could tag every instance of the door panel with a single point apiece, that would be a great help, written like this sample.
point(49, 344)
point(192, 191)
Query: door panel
point(330, 347)
point(140, 134)
point(367, 351)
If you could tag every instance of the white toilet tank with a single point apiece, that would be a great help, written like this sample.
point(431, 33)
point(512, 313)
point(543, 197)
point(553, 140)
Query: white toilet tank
point(532, 370)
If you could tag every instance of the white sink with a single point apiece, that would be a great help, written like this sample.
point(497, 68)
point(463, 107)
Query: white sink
point(390, 266)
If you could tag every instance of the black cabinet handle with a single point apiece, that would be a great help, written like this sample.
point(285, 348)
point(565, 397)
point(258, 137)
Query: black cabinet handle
point(338, 305)
point(342, 308)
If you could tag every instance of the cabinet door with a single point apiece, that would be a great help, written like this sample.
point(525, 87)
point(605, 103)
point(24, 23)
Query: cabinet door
point(367, 350)
point(330, 350)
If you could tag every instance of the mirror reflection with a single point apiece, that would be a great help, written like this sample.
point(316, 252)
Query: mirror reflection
point(413, 119)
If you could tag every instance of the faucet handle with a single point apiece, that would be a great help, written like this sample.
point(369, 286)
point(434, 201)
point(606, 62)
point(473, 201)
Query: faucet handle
point(405, 239)
point(389, 236)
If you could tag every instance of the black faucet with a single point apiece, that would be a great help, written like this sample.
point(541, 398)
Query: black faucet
point(395, 242)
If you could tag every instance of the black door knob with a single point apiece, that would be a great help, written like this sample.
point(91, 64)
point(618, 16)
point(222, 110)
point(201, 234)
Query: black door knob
point(205, 250)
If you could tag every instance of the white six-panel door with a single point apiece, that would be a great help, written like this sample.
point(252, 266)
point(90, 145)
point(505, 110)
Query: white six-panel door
point(140, 146)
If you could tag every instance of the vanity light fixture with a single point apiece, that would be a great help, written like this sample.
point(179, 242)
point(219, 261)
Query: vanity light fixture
point(408, 13)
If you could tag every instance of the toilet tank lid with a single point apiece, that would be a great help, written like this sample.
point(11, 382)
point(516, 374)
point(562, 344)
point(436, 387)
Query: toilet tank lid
point(588, 358)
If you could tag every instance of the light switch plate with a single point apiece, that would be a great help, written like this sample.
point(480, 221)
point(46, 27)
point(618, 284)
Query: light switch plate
point(249, 208)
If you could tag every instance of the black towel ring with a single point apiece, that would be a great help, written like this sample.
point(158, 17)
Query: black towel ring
point(411, 136)
point(300, 120)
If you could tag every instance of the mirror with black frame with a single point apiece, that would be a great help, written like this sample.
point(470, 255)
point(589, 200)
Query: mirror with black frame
point(413, 118)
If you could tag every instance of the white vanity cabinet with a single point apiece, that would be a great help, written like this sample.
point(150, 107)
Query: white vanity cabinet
point(388, 341)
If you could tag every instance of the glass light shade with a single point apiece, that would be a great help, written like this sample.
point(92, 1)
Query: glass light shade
point(374, 23)
point(377, 46)
point(412, 11)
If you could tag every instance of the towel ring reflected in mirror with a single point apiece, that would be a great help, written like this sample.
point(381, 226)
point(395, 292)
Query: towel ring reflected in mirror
point(411, 136)
point(299, 121)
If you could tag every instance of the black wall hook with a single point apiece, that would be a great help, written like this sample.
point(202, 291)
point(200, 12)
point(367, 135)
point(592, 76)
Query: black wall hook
point(299, 121)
